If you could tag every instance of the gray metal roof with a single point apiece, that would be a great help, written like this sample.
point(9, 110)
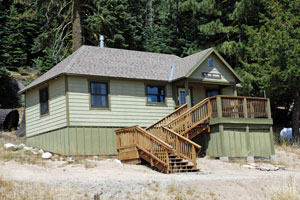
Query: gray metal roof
point(120, 63)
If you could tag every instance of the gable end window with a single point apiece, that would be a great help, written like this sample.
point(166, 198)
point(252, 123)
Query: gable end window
point(44, 101)
point(155, 94)
point(99, 94)
point(210, 62)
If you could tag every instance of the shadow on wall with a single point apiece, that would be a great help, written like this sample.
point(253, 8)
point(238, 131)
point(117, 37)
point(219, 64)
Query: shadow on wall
point(203, 141)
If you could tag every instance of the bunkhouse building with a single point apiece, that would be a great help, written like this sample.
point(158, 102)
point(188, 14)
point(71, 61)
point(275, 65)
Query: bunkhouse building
point(141, 105)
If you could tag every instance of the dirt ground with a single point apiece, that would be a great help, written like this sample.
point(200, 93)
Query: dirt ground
point(112, 180)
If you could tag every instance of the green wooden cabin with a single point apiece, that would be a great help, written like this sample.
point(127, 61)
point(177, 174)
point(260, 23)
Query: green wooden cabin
point(74, 108)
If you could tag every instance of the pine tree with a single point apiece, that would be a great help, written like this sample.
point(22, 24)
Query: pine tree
point(120, 21)
point(274, 56)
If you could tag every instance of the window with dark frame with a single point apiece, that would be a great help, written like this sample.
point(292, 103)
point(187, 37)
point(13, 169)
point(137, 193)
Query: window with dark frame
point(99, 94)
point(210, 62)
point(155, 94)
point(44, 101)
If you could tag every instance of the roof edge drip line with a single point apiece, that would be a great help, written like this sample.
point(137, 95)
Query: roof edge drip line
point(172, 72)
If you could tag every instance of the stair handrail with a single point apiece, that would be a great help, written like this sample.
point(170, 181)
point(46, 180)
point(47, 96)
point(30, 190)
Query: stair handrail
point(189, 111)
point(184, 147)
point(142, 140)
point(177, 111)
point(166, 145)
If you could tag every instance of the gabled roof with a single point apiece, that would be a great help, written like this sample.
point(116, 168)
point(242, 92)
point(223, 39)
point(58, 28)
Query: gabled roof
point(120, 63)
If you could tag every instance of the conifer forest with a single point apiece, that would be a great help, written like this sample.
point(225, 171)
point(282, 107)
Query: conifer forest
point(260, 39)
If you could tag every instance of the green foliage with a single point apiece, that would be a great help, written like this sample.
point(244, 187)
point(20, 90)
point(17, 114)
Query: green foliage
point(259, 38)
point(120, 21)
point(273, 51)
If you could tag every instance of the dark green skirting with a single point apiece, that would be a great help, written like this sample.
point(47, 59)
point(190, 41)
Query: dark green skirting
point(77, 141)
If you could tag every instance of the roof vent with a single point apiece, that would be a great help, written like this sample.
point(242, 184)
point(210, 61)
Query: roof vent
point(101, 38)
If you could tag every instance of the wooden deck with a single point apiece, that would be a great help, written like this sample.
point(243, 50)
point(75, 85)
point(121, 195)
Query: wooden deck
point(167, 145)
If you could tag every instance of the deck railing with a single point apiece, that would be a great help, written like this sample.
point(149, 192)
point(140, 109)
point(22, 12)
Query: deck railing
point(240, 107)
point(155, 128)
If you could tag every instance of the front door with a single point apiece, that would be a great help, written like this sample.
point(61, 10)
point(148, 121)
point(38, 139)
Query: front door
point(212, 92)
point(182, 95)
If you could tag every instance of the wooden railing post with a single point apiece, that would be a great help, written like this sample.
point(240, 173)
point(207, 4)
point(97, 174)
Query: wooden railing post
point(177, 146)
point(209, 109)
point(163, 134)
point(245, 108)
point(186, 126)
point(168, 162)
point(269, 109)
point(135, 136)
point(194, 156)
point(219, 107)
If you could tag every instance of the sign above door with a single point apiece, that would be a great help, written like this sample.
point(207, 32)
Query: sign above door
point(211, 75)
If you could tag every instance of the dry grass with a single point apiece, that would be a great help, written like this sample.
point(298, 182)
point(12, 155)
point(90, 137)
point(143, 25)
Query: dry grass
point(289, 191)
point(89, 165)
point(288, 154)
point(27, 191)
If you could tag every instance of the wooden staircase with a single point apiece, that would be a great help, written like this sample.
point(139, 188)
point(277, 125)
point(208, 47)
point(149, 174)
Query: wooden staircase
point(166, 144)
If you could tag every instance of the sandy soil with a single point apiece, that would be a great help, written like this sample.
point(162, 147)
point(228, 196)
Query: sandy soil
point(112, 180)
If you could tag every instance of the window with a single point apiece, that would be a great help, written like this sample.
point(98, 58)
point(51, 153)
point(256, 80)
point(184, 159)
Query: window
point(99, 95)
point(210, 62)
point(44, 103)
point(155, 94)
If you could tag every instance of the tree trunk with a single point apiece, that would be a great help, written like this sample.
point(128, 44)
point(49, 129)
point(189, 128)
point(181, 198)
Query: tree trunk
point(296, 114)
point(76, 26)
point(149, 13)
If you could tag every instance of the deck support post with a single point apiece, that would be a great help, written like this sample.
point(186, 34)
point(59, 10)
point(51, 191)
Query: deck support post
point(187, 93)
point(245, 109)
point(219, 107)
point(269, 109)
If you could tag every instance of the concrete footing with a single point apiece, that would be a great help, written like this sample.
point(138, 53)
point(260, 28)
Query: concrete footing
point(250, 159)
point(224, 159)
point(273, 158)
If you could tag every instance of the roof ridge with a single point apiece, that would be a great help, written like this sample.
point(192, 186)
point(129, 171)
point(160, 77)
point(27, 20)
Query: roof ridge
point(144, 52)
point(72, 61)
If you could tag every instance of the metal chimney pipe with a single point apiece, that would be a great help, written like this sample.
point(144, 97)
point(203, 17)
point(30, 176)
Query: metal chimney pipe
point(101, 38)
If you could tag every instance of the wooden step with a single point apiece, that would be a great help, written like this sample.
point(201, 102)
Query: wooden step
point(179, 163)
point(176, 159)
point(184, 170)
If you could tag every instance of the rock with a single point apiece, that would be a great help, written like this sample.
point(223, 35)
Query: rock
point(281, 167)
point(249, 166)
point(21, 146)
point(27, 148)
point(34, 151)
point(46, 155)
point(70, 159)
point(268, 167)
point(10, 146)
point(117, 161)
point(41, 151)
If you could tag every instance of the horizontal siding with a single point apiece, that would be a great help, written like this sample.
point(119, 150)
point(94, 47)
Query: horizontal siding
point(56, 118)
point(219, 67)
point(127, 105)
point(227, 91)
